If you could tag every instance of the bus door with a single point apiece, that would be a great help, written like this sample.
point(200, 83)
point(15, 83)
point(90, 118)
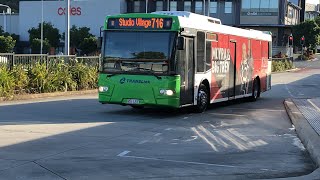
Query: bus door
point(186, 66)
point(232, 70)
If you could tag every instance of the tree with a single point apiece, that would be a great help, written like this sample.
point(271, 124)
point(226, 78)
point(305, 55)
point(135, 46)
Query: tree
point(49, 32)
point(88, 45)
point(36, 45)
point(81, 38)
point(6, 44)
point(310, 30)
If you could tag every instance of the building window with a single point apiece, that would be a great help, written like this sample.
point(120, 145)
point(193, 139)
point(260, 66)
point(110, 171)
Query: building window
point(173, 5)
point(228, 7)
point(199, 7)
point(159, 6)
point(260, 7)
point(187, 6)
point(213, 7)
point(136, 6)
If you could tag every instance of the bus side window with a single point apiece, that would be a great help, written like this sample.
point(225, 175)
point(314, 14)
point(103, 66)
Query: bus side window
point(201, 51)
point(270, 50)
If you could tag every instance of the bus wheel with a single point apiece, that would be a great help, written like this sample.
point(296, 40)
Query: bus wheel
point(202, 99)
point(256, 90)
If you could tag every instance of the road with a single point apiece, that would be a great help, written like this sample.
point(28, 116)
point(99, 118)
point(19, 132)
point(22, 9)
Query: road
point(77, 138)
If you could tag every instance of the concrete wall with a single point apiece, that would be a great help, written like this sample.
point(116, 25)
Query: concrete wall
point(84, 13)
point(12, 23)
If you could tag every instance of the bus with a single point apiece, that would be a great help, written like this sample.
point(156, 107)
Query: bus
point(177, 59)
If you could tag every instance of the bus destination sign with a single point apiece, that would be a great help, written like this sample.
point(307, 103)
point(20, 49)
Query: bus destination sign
point(140, 23)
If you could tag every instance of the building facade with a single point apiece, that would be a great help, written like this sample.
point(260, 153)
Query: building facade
point(277, 16)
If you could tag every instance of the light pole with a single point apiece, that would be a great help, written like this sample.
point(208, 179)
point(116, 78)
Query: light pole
point(4, 15)
point(41, 47)
point(67, 36)
point(146, 6)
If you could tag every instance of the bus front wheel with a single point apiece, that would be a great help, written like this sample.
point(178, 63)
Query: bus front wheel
point(202, 99)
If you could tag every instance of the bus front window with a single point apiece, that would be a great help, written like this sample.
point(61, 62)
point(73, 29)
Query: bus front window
point(137, 51)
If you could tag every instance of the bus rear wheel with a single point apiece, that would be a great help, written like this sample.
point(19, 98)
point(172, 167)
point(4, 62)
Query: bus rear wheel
point(202, 99)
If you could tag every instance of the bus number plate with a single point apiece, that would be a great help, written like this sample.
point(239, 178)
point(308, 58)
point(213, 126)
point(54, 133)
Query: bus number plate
point(133, 101)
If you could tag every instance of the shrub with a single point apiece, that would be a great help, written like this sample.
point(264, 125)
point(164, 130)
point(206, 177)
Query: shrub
point(6, 82)
point(21, 79)
point(6, 44)
point(281, 65)
point(60, 77)
point(39, 78)
point(85, 76)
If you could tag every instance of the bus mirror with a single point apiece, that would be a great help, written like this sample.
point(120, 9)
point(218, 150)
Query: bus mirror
point(181, 43)
point(99, 42)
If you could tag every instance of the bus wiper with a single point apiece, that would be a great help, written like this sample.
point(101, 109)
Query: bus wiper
point(158, 77)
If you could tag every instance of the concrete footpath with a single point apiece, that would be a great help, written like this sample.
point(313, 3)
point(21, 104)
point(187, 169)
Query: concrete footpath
point(305, 116)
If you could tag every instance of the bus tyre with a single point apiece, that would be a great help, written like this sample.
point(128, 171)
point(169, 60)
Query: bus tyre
point(255, 90)
point(202, 99)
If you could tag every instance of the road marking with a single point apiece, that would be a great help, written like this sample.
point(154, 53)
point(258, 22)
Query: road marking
point(192, 139)
point(158, 134)
point(222, 114)
point(142, 142)
point(168, 129)
point(249, 109)
point(185, 117)
point(123, 153)
point(176, 161)
point(315, 106)
point(288, 90)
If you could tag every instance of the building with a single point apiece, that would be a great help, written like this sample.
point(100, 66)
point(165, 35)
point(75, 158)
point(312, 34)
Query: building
point(277, 16)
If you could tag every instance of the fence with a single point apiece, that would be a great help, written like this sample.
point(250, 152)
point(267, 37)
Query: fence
point(29, 60)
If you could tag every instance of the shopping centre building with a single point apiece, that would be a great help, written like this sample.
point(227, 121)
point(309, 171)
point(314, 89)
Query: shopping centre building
point(277, 16)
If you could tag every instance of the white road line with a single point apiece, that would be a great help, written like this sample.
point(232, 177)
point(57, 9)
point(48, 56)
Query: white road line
point(123, 153)
point(142, 142)
point(288, 90)
point(315, 106)
point(175, 161)
point(168, 129)
point(222, 114)
point(158, 134)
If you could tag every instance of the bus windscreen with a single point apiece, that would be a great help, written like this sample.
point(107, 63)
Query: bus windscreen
point(137, 51)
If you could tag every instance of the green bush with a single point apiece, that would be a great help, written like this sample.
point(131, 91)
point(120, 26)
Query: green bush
point(46, 78)
point(6, 82)
point(281, 65)
point(21, 79)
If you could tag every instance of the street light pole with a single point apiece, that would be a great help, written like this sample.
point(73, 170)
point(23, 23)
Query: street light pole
point(41, 47)
point(67, 34)
point(146, 6)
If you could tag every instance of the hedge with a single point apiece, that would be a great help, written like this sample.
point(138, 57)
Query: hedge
point(281, 65)
point(44, 78)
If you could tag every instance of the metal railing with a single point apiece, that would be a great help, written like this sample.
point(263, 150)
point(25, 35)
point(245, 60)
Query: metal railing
point(29, 60)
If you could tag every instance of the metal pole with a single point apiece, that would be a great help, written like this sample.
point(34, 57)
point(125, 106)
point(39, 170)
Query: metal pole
point(67, 34)
point(209, 5)
point(4, 21)
point(41, 47)
point(204, 7)
point(168, 5)
point(146, 6)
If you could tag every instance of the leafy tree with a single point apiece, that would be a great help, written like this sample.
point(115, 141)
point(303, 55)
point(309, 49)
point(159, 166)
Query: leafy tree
point(1, 31)
point(81, 38)
point(6, 44)
point(88, 45)
point(36, 46)
point(310, 30)
point(49, 32)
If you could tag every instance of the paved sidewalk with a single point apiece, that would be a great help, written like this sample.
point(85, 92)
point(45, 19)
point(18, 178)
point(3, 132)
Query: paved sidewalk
point(305, 116)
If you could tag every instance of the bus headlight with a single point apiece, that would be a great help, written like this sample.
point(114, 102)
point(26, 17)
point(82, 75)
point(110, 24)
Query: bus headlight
point(103, 89)
point(167, 92)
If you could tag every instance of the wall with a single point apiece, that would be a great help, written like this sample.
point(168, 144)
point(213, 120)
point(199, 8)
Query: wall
point(84, 13)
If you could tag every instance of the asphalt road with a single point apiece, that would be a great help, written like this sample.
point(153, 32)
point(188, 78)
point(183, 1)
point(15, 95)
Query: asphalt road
point(78, 138)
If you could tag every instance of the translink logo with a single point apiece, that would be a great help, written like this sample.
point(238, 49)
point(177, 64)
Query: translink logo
point(135, 81)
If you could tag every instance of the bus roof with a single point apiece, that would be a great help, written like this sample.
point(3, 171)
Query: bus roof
point(196, 21)
point(183, 19)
